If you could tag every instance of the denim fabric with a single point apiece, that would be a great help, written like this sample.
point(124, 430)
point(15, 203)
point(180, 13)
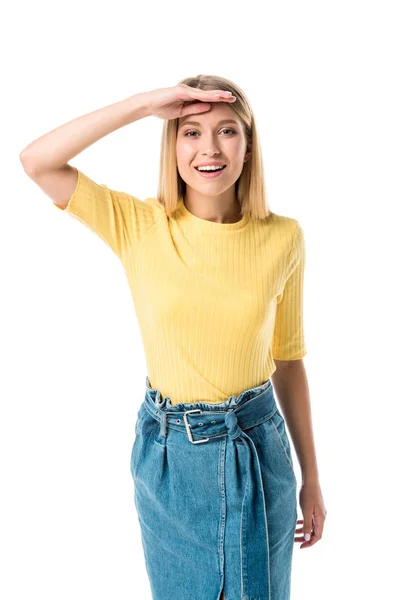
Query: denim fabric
point(219, 514)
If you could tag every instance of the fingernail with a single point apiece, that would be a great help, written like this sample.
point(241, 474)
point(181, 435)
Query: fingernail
point(307, 537)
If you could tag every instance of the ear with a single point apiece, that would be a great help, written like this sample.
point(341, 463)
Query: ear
point(247, 155)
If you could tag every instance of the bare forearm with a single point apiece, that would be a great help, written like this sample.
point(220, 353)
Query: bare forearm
point(291, 386)
point(56, 148)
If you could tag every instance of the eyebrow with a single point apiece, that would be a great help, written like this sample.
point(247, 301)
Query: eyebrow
point(197, 123)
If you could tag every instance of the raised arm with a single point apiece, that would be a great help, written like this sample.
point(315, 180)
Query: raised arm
point(119, 218)
point(45, 160)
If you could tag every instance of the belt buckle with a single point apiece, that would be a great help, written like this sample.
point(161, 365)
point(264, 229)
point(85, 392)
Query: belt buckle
point(187, 425)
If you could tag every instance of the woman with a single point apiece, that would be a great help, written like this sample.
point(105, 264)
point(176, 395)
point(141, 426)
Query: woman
point(217, 284)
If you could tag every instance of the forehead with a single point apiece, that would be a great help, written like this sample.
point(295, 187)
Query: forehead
point(220, 113)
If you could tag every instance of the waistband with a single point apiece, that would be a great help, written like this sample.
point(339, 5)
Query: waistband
point(202, 421)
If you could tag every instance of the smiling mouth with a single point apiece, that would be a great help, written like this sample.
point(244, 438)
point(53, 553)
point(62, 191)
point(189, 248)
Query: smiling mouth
point(210, 170)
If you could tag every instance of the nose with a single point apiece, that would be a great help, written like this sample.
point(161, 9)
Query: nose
point(211, 145)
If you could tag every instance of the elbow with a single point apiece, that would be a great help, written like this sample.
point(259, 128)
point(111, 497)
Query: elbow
point(26, 162)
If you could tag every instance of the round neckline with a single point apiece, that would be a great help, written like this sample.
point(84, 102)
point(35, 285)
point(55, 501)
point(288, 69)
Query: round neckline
point(211, 226)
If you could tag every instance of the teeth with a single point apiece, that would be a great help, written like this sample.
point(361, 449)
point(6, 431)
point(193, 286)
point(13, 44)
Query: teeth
point(210, 168)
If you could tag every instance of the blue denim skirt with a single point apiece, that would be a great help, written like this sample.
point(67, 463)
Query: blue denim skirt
point(215, 493)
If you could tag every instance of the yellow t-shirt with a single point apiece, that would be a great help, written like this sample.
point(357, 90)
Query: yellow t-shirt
point(216, 303)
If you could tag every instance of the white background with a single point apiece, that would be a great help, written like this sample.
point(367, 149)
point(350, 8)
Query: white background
point(322, 78)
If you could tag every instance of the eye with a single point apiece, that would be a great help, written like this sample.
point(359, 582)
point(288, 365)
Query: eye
point(188, 132)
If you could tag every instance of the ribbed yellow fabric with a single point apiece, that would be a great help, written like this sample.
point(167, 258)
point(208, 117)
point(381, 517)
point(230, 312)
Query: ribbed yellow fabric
point(216, 302)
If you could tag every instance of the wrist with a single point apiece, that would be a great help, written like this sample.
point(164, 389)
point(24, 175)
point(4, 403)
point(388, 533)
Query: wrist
point(310, 479)
point(137, 107)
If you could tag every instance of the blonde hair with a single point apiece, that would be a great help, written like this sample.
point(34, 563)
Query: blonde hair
point(249, 188)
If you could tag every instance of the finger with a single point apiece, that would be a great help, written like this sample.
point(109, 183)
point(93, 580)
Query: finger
point(195, 108)
point(307, 524)
point(213, 96)
point(225, 97)
point(300, 536)
point(314, 540)
point(319, 521)
point(316, 533)
point(220, 93)
point(306, 543)
point(299, 529)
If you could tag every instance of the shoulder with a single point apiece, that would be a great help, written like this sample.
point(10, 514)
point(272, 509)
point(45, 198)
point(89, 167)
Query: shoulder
point(290, 231)
point(137, 215)
point(281, 230)
point(142, 213)
point(284, 223)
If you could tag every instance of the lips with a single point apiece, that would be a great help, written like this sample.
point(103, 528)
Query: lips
point(223, 167)
point(210, 174)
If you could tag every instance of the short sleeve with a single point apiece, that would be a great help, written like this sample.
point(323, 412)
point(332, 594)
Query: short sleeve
point(118, 218)
point(288, 339)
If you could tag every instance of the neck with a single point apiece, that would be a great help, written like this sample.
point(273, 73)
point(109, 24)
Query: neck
point(215, 209)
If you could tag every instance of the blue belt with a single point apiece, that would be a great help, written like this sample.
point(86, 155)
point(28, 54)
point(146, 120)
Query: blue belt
point(232, 423)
